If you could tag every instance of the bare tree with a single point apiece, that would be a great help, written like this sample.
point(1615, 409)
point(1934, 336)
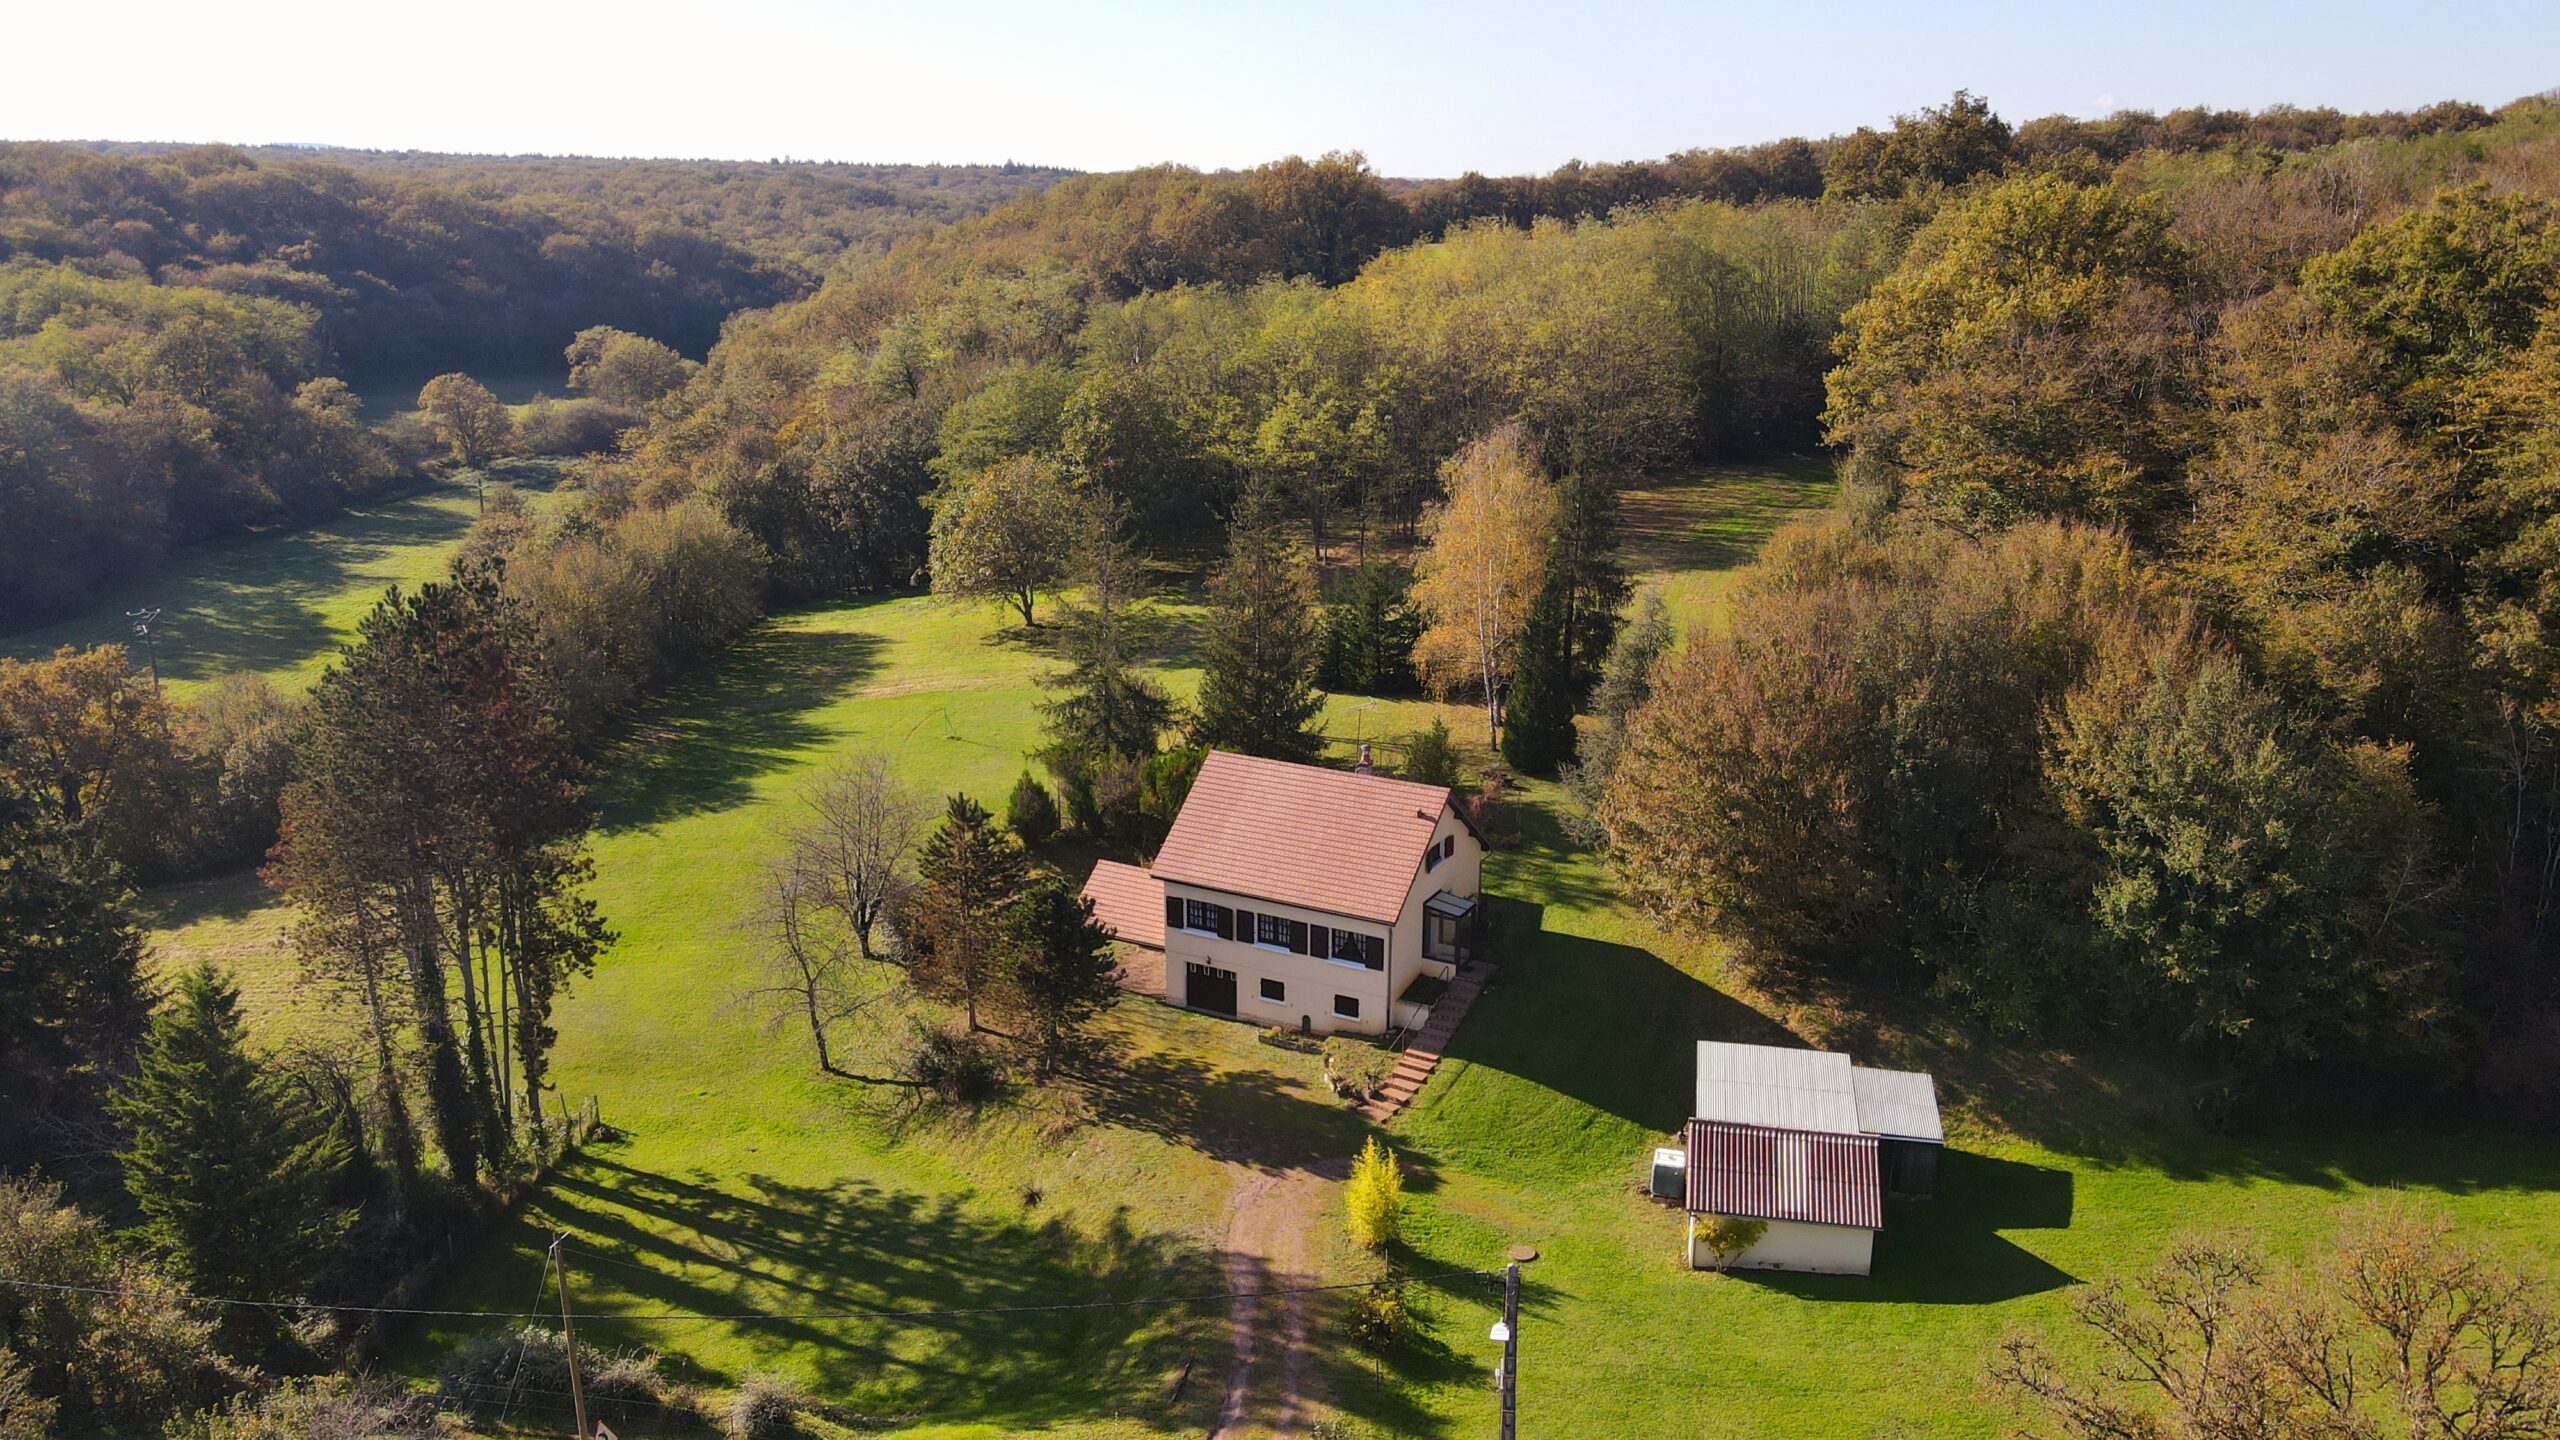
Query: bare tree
point(2404, 1332)
point(852, 847)
point(806, 962)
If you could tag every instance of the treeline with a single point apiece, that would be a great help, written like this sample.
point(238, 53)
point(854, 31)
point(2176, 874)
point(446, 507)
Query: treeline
point(406, 276)
point(1127, 330)
point(801, 215)
point(2183, 665)
point(138, 418)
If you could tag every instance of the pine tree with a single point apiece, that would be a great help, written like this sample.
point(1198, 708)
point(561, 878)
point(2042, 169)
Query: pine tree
point(1626, 680)
point(1537, 711)
point(232, 1177)
point(1065, 971)
point(1257, 682)
point(1369, 634)
point(968, 875)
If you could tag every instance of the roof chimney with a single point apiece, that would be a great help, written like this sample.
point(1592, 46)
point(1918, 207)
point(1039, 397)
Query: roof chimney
point(1364, 767)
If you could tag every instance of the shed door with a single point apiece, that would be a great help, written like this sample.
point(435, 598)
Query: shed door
point(1206, 987)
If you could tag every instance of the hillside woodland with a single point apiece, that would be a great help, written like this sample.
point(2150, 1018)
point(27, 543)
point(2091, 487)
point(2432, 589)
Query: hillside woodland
point(2179, 665)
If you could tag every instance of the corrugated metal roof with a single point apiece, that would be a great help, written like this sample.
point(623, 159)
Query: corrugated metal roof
point(1128, 901)
point(1901, 1104)
point(1328, 840)
point(1759, 1173)
point(1775, 1087)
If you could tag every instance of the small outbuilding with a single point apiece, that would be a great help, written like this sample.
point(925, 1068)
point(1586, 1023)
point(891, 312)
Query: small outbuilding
point(1801, 1146)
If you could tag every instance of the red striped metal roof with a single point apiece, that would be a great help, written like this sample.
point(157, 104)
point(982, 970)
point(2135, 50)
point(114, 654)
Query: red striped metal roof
point(1758, 1173)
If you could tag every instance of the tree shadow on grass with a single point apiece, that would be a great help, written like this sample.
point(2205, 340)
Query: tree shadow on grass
point(1248, 1117)
point(703, 748)
point(1027, 1329)
point(1151, 635)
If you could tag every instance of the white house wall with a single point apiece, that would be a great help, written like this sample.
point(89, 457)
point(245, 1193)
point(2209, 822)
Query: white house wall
point(1796, 1245)
point(1460, 874)
point(1311, 982)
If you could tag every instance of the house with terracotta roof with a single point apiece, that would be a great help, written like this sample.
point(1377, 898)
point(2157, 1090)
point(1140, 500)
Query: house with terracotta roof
point(1301, 896)
point(1805, 1145)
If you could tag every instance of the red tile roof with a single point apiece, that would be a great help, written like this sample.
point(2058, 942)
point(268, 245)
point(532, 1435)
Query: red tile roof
point(1329, 840)
point(1764, 1174)
point(1128, 902)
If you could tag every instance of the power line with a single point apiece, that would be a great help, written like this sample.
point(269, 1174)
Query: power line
point(750, 1316)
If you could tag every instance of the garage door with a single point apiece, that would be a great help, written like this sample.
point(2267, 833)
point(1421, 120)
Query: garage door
point(1206, 987)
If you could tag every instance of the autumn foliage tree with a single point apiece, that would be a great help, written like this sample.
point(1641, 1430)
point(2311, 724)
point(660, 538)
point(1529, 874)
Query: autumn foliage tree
point(1484, 557)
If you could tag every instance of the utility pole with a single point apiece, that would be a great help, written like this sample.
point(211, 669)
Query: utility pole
point(569, 1333)
point(1506, 1379)
point(142, 629)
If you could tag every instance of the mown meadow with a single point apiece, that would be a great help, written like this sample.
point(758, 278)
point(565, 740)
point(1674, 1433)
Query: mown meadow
point(741, 1181)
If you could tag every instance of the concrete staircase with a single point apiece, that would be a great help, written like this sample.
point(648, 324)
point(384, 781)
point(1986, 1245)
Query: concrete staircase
point(1421, 1055)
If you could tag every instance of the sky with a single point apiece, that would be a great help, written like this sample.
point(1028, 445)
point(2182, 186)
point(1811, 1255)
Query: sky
point(1424, 89)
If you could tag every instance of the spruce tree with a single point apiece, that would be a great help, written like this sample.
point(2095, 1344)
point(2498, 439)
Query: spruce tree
point(1064, 970)
point(969, 873)
point(1257, 682)
point(1537, 711)
point(71, 992)
point(1369, 633)
point(1594, 583)
point(232, 1176)
point(1106, 708)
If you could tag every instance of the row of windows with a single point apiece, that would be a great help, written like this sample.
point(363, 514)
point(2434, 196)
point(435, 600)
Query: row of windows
point(1346, 1006)
point(1205, 917)
point(1432, 857)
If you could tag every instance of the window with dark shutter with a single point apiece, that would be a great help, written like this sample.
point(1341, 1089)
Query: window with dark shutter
point(1172, 912)
point(1298, 937)
point(1226, 922)
point(1244, 925)
point(1317, 941)
point(1353, 948)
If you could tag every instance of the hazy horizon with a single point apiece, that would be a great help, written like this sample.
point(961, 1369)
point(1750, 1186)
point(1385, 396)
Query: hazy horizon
point(1423, 90)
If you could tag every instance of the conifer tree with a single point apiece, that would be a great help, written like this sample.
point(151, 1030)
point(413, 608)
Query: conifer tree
point(1537, 711)
point(1031, 812)
point(1257, 682)
point(1107, 714)
point(232, 1177)
point(1369, 634)
point(1064, 971)
point(968, 875)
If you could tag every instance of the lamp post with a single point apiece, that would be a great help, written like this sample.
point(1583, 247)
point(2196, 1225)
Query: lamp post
point(1506, 1333)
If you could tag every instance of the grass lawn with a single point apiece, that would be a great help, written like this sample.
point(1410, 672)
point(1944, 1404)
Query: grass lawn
point(282, 603)
point(746, 1182)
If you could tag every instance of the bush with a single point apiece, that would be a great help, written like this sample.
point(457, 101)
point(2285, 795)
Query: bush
point(1373, 1201)
point(767, 1407)
point(572, 427)
point(1431, 757)
point(1031, 812)
point(956, 1066)
point(1727, 1237)
point(1379, 1319)
point(1357, 1068)
point(328, 1408)
point(528, 1369)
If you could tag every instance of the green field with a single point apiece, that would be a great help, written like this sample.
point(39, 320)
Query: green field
point(281, 604)
point(745, 1182)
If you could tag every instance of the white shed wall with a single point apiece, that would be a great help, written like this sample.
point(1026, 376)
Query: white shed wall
point(1796, 1245)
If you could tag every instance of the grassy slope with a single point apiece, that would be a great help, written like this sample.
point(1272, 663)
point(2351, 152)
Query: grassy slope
point(280, 604)
point(749, 1183)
